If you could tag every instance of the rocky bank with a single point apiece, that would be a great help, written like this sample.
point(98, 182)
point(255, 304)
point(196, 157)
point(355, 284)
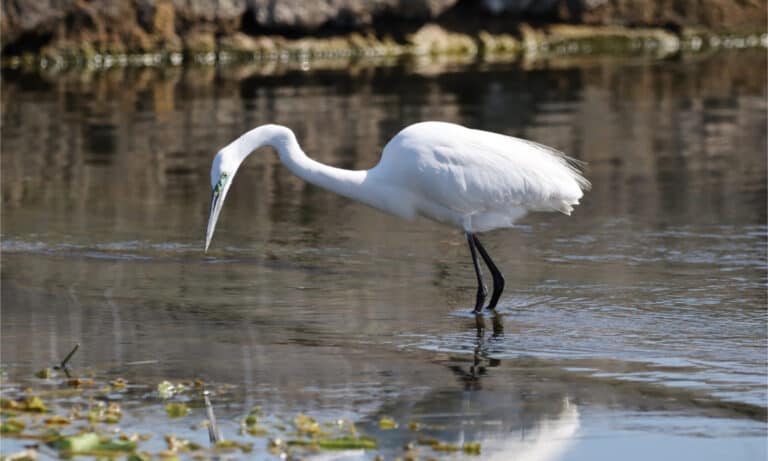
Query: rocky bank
point(84, 28)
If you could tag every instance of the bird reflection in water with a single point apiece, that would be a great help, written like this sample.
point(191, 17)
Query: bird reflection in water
point(527, 429)
point(548, 439)
point(480, 358)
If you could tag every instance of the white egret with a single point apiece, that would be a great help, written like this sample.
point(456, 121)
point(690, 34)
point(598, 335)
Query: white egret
point(471, 179)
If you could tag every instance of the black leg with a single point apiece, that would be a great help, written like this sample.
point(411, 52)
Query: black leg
point(498, 279)
point(481, 291)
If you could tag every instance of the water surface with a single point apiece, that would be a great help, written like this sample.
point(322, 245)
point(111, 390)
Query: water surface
point(638, 323)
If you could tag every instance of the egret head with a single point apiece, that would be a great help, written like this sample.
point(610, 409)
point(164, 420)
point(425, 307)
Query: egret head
point(229, 158)
point(221, 179)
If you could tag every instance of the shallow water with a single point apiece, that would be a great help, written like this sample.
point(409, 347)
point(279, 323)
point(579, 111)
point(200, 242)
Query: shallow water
point(639, 323)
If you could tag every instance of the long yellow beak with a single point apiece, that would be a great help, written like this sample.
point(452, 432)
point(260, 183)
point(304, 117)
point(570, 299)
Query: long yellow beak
point(217, 199)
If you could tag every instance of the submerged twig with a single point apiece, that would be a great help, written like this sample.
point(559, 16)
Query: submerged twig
point(214, 435)
point(69, 356)
point(142, 362)
point(63, 364)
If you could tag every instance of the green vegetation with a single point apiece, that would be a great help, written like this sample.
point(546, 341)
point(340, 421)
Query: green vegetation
point(347, 443)
point(387, 423)
point(83, 417)
point(176, 410)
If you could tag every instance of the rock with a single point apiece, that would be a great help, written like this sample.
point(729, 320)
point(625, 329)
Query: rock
point(716, 14)
point(200, 39)
point(347, 14)
point(129, 26)
point(433, 39)
point(225, 15)
point(140, 25)
point(37, 18)
point(163, 19)
point(239, 42)
point(498, 44)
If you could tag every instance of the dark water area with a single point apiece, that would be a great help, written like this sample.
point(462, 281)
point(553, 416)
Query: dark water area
point(637, 325)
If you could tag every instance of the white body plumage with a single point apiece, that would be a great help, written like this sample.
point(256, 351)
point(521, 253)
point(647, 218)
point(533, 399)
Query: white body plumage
point(475, 180)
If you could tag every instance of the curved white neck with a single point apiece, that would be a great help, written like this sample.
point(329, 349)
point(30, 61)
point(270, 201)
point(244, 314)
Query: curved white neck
point(354, 184)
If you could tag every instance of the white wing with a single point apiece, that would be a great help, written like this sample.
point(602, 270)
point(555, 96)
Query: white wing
point(485, 179)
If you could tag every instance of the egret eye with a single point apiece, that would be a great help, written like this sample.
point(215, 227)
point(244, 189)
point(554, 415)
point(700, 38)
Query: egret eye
point(220, 185)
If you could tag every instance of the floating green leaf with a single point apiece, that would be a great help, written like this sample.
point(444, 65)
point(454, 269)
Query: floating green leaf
point(176, 410)
point(347, 443)
point(166, 390)
point(12, 426)
point(80, 382)
point(445, 447)
point(471, 448)
point(427, 441)
point(251, 420)
point(117, 445)
point(78, 443)
point(257, 431)
point(414, 426)
point(113, 413)
point(45, 373)
point(227, 445)
point(386, 423)
point(306, 425)
point(57, 420)
point(437, 445)
point(177, 444)
point(92, 443)
point(35, 404)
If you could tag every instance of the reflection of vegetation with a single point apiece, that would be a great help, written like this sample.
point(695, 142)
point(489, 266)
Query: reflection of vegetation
point(555, 40)
point(162, 118)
